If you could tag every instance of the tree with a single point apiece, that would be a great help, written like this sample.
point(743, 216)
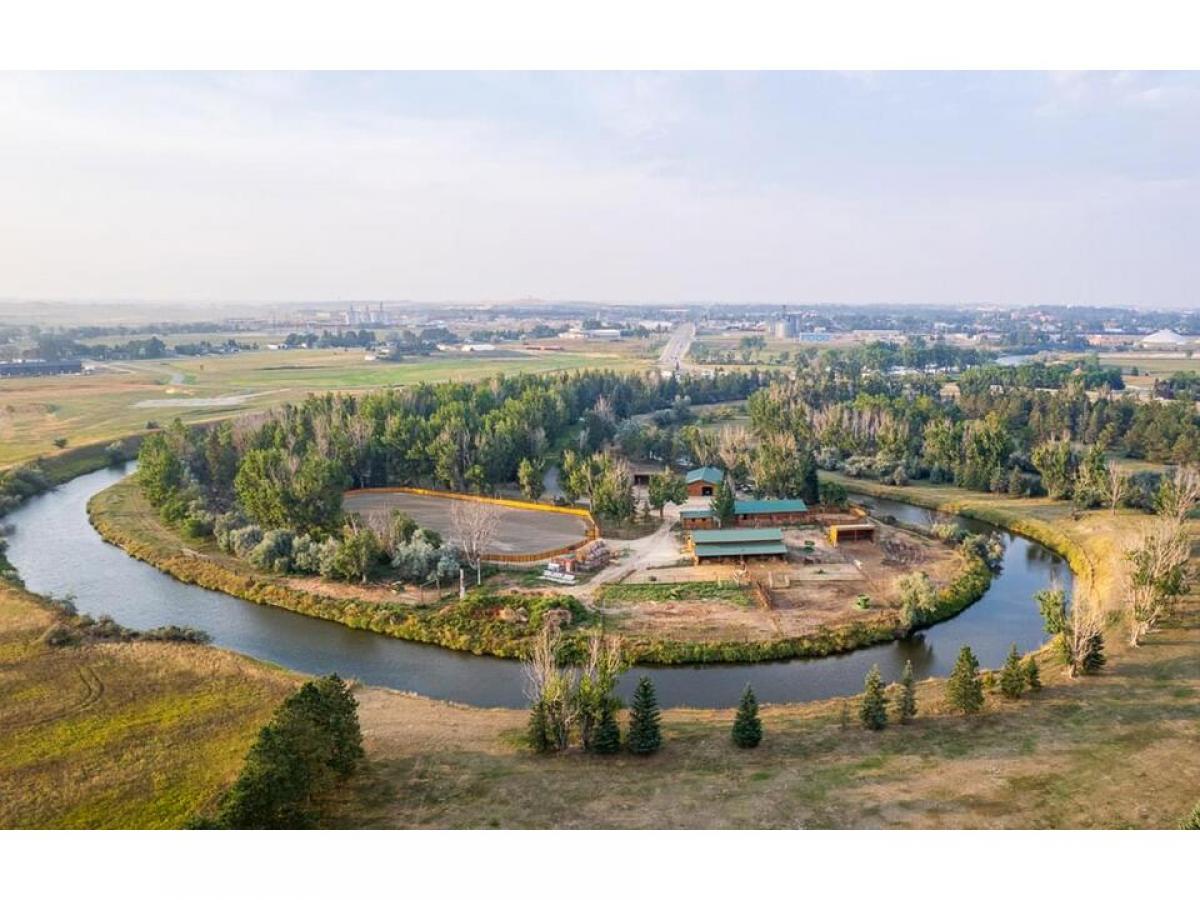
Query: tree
point(723, 504)
point(531, 475)
point(833, 494)
point(593, 696)
point(537, 733)
point(1178, 495)
point(667, 487)
point(1012, 676)
point(357, 552)
point(607, 738)
point(1033, 676)
point(964, 687)
point(261, 487)
point(475, 525)
point(747, 727)
point(160, 471)
point(906, 703)
point(644, 735)
point(1155, 574)
point(1116, 485)
point(872, 708)
point(1056, 463)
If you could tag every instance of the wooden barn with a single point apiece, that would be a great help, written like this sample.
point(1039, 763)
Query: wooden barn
point(859, 531)
point(703, 481)
point(736, 544)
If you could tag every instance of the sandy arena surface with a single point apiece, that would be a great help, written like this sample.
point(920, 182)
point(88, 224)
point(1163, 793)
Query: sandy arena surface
point(520, 530)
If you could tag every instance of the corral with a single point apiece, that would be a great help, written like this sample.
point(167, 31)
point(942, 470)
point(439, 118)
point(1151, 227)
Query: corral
point(525, 532)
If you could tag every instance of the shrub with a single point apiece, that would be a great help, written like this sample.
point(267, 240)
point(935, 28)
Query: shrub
point(950, 532)
point(645, 734)
point(1191, 822)
point(747, 727)
point(176, 634)
point(964, 687)
point(245, 539)
point(274, 552)
point(60, 635)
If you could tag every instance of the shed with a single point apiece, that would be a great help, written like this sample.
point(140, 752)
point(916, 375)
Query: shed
point(773, 512)
point(737, 543)
point(859, 531)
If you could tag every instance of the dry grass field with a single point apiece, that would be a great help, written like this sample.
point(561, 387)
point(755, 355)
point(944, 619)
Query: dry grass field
point(1116, 750)
point(140, 735)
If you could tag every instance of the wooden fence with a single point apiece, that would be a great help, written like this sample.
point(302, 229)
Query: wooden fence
point(593, 530)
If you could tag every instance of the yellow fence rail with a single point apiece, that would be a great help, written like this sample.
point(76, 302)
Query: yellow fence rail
point(593, 530)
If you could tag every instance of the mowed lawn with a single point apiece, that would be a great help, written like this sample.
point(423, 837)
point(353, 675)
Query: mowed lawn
point(138, 735)
point(122, 398)
point(1116, 750)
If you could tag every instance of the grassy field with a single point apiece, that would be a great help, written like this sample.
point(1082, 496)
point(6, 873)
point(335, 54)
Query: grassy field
point(123, 397)
point(140, 735)
point(1116, 750)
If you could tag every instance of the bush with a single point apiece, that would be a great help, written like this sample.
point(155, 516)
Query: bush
point(949, 532)
point(1191, 822)
point(274, 552)
point(607, 739)
point(747, 727)
point(245, 539)
point(176, 634)
point(1033, 676)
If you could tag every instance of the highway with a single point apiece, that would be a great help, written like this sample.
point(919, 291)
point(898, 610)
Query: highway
point(675, 352)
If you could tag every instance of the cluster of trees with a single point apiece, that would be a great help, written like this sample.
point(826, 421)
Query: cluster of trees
point(569, 705)
point(283, 472)
point(964, 689)
point(311, 742)
point(328, 339)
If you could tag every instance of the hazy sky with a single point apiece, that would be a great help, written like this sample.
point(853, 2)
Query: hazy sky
point(971, 188)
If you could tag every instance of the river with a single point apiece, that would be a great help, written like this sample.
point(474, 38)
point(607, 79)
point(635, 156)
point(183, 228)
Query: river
point(58, 553)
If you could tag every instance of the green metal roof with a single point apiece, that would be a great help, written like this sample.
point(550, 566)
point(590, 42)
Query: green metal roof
point(736, 535)
point(706, 473)
point(695, 514)
point(743, 507)
point(747, 549)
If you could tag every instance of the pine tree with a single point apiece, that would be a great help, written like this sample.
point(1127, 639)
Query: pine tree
point(1093, 658)
point(644, 734)
point(723, 504)
point(964, 688)
point(906, 703)
point(538, 731)
point(1012, 676)
point(872, 709)
point(607, 738)
point(1033, 675)
point(747, 727)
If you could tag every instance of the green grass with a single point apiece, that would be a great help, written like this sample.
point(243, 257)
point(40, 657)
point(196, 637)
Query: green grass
point(99, 408)
point(688, 592)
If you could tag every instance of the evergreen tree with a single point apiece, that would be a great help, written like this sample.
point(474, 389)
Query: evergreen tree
point(538, 730)
point(964, 688)
point(644, 734)
point(607, 738)
point(872, 709)
point(906, 703)
point(1012, 676)
point(1033, 676)
point(747, 727)
point(722, 504)
point(1092, 660)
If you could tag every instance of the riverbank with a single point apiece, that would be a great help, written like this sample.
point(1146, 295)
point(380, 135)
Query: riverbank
point(120, 735)
point(484, 623)
point(1116, 750)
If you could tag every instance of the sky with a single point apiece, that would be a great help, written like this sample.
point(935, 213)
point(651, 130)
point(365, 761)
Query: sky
point(955, 188)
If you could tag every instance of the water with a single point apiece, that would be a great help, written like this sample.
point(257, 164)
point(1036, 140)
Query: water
point(57, 552)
